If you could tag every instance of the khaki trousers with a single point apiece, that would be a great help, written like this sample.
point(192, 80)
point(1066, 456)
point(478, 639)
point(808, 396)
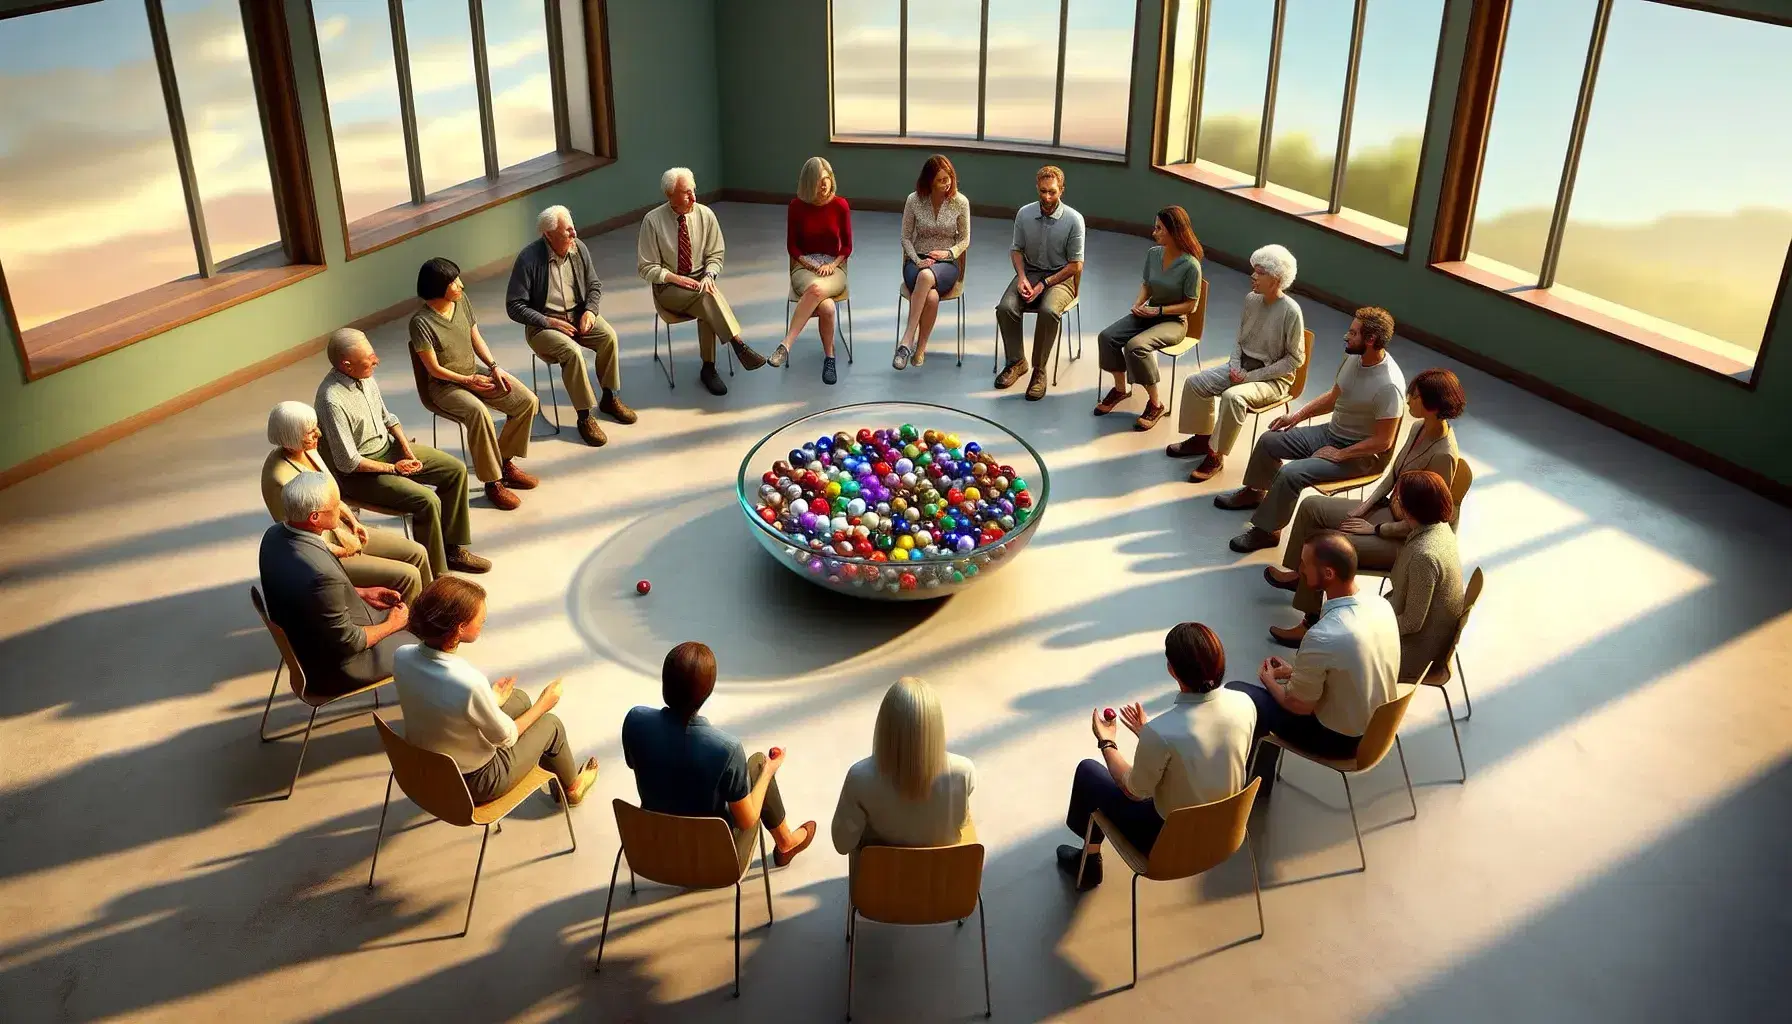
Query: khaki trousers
point(435, 497)
point(1282, 465)
point(486, 446)
point(562, 351)
point(1050, 306)
point(390, 559)
point(543, 743)
point(711, 311)
point(1131, 343)
point(1212, 404)
point(771, 812)
point(1318, 513)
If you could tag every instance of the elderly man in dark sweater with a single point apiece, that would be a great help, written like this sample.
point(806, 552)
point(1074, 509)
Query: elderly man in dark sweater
point(554, 293)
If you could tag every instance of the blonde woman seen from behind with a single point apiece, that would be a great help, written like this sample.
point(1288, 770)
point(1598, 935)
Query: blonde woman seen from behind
point(910, 791)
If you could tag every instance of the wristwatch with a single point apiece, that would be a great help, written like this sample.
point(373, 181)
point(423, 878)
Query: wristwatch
point(1105, 744)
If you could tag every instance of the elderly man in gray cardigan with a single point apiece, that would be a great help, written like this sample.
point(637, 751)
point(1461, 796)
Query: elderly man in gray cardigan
point(554, 293)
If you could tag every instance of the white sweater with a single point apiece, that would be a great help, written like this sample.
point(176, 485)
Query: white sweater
point(449, 706)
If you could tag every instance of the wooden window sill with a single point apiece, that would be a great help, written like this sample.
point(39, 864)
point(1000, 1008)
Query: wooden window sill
point(1718, 364)
point(389, 227)
point(74, 339)
point(1289, 206)
point(949, 143)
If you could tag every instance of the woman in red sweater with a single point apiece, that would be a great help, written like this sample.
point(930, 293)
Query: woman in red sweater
point(819, 238)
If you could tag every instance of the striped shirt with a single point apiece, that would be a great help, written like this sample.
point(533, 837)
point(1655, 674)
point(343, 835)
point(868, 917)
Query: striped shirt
point(354, 419)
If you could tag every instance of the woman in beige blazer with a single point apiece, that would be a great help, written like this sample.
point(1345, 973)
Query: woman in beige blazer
point(910, 791)
point(371, 557)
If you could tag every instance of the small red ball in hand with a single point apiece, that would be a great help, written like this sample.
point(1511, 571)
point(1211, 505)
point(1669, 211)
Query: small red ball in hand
point(777, 752)
point(642, 587)
point(1108, 714)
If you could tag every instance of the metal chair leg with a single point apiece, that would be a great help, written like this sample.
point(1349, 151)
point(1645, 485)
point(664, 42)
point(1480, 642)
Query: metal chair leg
point(300, 766)
point(604, 935)
point(852, 949)
point(737, 940)
point(1360, 855)
point(1451, 711)
point(848, 339)
point(1088, 836)
point(1256, 884)
point(1135, 932)
point(270, 706)
point(566, 811)
point(1401, 751)
point(765, 875)
point(961, 330)
point(666, 364)
point(1462, 677)
point(983, 939)
point(381, 834)
point(477, 869)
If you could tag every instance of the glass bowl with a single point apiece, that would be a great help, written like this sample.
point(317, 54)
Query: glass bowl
point(921, 579)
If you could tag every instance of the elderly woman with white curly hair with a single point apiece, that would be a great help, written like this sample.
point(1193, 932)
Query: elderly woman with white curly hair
point(371, 557)
point(1269, 349)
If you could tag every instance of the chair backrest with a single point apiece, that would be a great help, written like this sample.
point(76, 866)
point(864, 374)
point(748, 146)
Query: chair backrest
point(295, 676)
point(687, 853)
point(432, 781)
point(1470, 594)
point(1460, 481)
point(1197, 318)
point(1300, 374)
point(1197, 838)
point(1378, 738)
point(422, 378)
point(918, 885)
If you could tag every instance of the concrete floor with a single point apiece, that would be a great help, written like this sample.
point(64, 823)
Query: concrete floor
point(1617, 852)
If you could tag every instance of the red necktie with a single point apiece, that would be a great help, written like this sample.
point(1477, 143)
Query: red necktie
point(684, 248)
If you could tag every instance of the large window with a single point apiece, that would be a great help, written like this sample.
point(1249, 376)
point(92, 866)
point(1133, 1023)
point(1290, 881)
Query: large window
point(439, 108)
point(1027, 74)
point(1631, 168)
point(140, 181)
point(1314, 107)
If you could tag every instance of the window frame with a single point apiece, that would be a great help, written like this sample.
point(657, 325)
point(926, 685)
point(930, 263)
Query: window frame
point(74, 339)
point(1258, 191)
point(1482, 58)
point(427, 211)
point(980, 144)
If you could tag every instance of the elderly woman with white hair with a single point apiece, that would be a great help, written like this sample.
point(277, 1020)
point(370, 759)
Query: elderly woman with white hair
point(554, 293)
point(1269, 349)
point(679, 252)
point(910, 791)
point(372, 557)
point(818, 237)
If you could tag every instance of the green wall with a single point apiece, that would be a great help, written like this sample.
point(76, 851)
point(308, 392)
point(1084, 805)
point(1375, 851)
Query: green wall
point(774, 115)
point(38, 416)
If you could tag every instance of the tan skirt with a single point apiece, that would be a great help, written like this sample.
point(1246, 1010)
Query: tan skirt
point(833, 285)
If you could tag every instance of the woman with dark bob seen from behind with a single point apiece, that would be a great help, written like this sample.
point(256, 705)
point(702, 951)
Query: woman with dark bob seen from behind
point(685, 766)
point(1433, 400)
point(1425, 586)
point(1194, 752)
point(1168, 294)
point(936, 231)
point(494, 733)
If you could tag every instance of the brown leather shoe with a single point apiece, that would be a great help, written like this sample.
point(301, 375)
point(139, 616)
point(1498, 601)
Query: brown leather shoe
point(1010, 373)
point(783, 857)
point(1111, 401)
point(1270, 577)
point(462, 560)
point(501, 496)
point(613, 407)
point(1148, 419)
point(744, 354)
point(1036, 386)
point(1288, 637)
point(592, 433)
point(1188, 447)
point(514, 476)
point(1239, 500)
point(1254, 539)
point(1208, 469)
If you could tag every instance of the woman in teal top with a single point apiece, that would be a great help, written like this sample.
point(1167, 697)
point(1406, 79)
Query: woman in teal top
point(1158, 319)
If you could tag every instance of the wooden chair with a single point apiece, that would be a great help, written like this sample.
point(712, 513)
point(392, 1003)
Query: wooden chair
point(1299, 388)
point(844, 303)
point(295, 677)
point(1057, 345)
point(955, 295)
point(1439, 673)
point(434, 783)
point(436, 412)
point(1383, 732)
point(1194, 839)
point(916, 886)
point(669, 318)
point(1330, 488)
point(1195, 324)
point(535, 361)
point(685, 853)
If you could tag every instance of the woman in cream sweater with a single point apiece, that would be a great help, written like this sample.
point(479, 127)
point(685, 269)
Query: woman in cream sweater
point(910, 791)
point(1425, 587)
point(936, 231)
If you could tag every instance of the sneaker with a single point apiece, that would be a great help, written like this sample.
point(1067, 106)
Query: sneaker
point(829, 370)
point(462, 560)
point(1070, 860)
point(1036, 386)
point(592, 434)
point(778, 356)
point(900, 360)
point(1188, 447)
point(1148, 419)
point(1011, 373)
point(502, 497)
point(749, 359)
point(1208, 469)
point(712, 380)
point(613, 407)
point(1239, 500)
point(516, 477)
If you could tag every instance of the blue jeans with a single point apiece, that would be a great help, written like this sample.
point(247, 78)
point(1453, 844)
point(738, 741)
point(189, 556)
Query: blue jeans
point(1303, 731)
point(1094, 789)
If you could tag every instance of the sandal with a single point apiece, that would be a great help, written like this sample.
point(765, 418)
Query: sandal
point(1148, 419)
point(1111, 401)
point(587, 777)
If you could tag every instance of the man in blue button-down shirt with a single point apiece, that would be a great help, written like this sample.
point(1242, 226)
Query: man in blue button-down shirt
point(1048, 262)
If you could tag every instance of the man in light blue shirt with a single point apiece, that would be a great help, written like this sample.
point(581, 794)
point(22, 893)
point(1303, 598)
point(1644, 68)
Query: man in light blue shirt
point(1048, 262)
